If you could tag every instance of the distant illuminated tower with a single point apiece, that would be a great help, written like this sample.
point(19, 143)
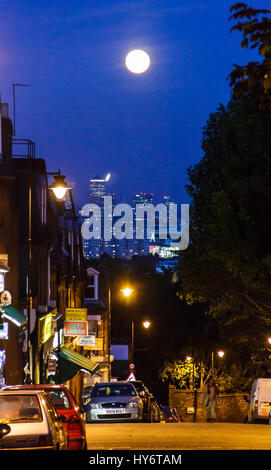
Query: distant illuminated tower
point(140, 247)
point(97, 190)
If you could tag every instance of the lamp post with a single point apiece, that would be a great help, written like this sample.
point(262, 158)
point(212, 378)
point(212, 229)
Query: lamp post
point(220, 353)
point(59, 188)
point(127, 292)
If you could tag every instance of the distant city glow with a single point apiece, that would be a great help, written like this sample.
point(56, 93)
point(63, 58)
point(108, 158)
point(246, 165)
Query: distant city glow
point(137, 61)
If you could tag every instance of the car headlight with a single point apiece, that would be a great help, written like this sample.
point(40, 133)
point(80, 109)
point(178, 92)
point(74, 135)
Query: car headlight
point(95, 406)
point(132, 404)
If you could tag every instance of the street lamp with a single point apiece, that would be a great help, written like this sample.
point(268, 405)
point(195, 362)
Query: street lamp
point(220, 353)
point(127, 292)
point(59, 186)
point(146, 324)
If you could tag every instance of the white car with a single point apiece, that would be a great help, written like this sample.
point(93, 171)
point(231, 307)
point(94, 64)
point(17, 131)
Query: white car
point(260, 401)
point(33, 422)
point(114, 401)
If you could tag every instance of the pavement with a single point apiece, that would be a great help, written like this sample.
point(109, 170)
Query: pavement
point(178, 436)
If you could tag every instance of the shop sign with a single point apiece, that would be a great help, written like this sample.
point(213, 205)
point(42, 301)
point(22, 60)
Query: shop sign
point(75, 328)
point(45, 329)
point(51, 365)
point(76, 314)
point(4, 331)
point(98, 346)
point(87, 341)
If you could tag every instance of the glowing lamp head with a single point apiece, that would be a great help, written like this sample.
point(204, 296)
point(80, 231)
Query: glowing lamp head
point(137, 61)
point(59, 187)
point(189, 358)
point(146, 324)
point(127, 291)
point(221, 353)
point(108, 176)
point(269, 340)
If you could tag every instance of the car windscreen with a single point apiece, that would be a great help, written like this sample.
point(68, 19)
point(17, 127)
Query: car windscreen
point(20, 408)
point(139, 387)
point(60, 399)
point(113, 390)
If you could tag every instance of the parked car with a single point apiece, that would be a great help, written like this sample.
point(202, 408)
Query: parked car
point(66, 407)
point(155, 411)
point(169, 415)
point(32, 422)
point(146, 398)
point(260, 401)
point(114, 401)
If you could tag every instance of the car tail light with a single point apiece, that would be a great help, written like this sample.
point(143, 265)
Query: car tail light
point(170, 419)
point(74, 423)
point(45, 441)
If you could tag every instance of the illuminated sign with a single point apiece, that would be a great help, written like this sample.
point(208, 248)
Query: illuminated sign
point(2, 282)
point(75, 328)
point(4, 331)
point(87, 341)
point(76, 314)
point(44, 329)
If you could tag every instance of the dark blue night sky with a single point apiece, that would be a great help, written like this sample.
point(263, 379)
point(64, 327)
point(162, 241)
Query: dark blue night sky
point(88, 115)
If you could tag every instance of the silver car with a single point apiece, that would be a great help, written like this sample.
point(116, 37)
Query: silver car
point(33, 421)
point(114, 401)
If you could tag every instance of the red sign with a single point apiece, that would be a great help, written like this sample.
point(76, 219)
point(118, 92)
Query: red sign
point(131, 366)
point(75, 328)
point(52, 365)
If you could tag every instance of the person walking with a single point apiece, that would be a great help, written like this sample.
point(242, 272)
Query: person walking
point(210, 399)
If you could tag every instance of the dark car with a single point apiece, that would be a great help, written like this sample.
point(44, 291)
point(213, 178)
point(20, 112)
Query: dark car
point(169, 415)
point(155, 410)
point(146, 398)
point(65, 405)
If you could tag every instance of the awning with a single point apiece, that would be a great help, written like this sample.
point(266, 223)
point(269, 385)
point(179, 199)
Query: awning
point(14, 315)
point(70, 362)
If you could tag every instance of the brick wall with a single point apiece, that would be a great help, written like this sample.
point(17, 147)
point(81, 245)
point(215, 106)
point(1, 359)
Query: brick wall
point(231, 408)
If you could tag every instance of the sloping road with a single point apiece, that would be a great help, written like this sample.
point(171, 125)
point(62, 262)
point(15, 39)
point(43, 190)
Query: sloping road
point(178, 436)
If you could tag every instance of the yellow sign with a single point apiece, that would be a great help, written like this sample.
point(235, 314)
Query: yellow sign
point(98, 345)
point(45, 329)
point(76, 314)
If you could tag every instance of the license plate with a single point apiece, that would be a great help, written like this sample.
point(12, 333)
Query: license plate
point(116, 411)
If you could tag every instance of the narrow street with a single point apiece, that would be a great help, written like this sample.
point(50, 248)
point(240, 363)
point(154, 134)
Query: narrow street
point(183, 436)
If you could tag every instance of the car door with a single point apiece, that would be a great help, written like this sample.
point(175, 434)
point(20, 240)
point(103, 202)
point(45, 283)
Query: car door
point(53, 423)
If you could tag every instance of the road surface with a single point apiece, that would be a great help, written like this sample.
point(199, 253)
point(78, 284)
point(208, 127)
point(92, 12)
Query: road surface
point(178, 436)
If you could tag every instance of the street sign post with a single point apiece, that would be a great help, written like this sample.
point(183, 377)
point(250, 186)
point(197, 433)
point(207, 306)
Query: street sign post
point(131, 377)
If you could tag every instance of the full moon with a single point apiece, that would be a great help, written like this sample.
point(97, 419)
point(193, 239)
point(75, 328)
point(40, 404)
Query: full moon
point(137, 61)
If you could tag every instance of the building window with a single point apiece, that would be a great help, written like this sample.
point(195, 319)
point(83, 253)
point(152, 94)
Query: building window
point(91, 292)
